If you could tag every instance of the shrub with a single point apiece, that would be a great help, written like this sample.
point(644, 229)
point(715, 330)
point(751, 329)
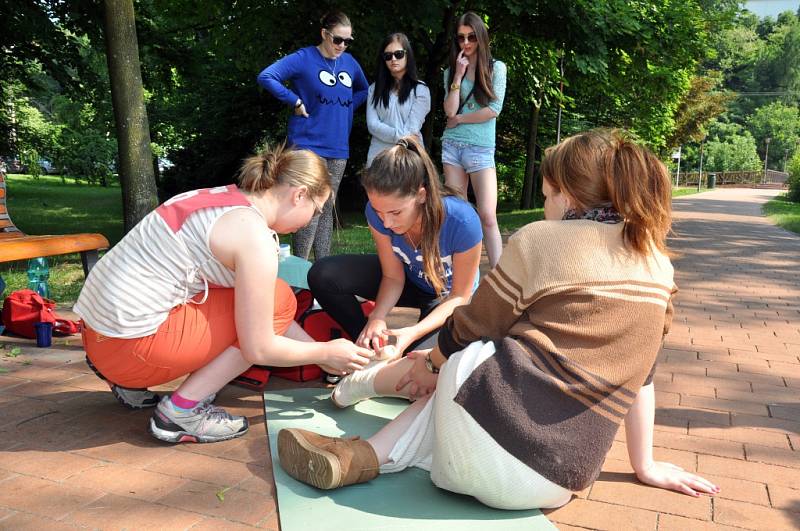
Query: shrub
point(794, 178)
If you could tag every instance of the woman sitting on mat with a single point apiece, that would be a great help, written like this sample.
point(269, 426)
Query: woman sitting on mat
point(193, 289)
point(429, 246)
point(556, 348)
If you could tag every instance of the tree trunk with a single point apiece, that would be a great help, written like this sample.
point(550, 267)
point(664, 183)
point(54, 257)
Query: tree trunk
point(529, 188)
point(437, 55)
point(139, 194)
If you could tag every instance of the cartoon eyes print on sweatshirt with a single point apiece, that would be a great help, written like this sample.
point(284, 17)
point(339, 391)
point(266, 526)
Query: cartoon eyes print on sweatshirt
point(329, 80)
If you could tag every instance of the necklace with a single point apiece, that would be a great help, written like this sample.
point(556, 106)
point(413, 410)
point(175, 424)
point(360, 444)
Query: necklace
point(414, 245)
point(325, 60)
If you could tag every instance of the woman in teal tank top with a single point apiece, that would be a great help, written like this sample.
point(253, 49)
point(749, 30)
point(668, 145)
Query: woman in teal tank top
point(475, 86)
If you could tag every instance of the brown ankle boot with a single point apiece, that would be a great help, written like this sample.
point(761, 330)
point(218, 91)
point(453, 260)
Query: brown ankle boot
point(326, 462)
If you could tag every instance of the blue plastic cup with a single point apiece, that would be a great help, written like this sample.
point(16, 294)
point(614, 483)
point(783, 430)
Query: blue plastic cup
point(44, 334)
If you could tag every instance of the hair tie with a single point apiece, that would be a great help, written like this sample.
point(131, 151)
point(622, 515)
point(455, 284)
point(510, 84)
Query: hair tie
point(403, 142)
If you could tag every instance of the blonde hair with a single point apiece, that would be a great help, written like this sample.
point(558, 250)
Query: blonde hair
point(402, 170)
point(605, 165)
point(282, 165)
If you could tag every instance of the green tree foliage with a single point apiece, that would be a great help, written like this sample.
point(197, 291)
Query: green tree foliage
point(794, 178)
point(780, 123)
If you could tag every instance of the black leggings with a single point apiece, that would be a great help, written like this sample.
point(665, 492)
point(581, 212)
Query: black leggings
point(336, 280)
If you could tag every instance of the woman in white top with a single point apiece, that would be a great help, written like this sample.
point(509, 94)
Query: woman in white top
point(397, 103)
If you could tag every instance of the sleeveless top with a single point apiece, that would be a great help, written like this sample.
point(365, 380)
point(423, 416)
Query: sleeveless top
point(163, 262)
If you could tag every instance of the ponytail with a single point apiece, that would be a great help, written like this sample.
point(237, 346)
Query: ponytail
point(282, 165)
point(402, 170)
point(606, 166)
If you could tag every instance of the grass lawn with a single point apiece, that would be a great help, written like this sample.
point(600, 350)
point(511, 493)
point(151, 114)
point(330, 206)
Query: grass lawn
point(784, 213)
point(686, 190)
point(50, 206)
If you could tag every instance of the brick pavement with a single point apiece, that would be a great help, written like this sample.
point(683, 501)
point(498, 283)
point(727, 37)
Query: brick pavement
point(727, 393)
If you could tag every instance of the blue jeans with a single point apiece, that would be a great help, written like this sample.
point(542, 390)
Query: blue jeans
point(469, 156)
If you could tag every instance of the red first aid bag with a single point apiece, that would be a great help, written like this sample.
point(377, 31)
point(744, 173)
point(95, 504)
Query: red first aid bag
point(23, 309)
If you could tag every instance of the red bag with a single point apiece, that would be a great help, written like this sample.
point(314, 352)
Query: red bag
point(23, 309)
point(320, 326)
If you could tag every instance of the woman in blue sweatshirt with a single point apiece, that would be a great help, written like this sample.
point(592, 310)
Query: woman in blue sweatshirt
point(326, 87)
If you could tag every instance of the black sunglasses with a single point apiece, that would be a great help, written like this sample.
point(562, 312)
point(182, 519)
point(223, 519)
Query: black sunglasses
point(397, 54)
point(339, 40)
point(464, 38)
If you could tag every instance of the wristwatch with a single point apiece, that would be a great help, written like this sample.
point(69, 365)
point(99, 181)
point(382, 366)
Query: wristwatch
point(454, 86)
point(429, 364)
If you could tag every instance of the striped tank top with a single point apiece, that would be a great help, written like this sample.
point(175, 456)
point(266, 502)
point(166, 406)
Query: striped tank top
point(163, 262)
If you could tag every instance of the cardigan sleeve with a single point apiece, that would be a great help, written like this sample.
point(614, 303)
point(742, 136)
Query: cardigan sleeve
point(420, 107)
point(498, 86)
point(377, 128)
point(495, 306)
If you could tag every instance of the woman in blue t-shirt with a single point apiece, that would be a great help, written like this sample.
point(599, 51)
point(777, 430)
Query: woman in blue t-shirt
point(327, 86)
point(429, 246)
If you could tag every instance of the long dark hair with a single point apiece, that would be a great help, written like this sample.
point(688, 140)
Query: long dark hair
point(402, 170)
point(384, 82)
point(484, 68)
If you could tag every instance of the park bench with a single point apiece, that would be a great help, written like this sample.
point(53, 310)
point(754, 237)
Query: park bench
point(16, 245)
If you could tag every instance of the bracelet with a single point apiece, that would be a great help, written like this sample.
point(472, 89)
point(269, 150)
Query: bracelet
point(298, 104)
point(429, 364)
point(454, 86)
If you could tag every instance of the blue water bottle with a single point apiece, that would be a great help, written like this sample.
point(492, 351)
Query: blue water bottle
point(38, 275)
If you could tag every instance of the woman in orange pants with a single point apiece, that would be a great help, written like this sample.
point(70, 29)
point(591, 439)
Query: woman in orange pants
point(193, 289)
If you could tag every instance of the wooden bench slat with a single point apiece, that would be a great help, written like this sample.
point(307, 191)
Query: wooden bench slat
point(26, 247)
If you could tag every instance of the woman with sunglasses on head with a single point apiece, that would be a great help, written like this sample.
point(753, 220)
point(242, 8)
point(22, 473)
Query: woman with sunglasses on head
point(327, 85)
point(475, 85)
point(398, 102)
point(192, 290)
point(429, 245)
point(555, 351)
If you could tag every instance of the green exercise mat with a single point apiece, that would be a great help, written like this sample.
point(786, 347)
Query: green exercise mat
point(407, 500)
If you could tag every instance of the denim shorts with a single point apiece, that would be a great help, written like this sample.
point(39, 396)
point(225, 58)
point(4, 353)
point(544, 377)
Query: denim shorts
point(469, 156)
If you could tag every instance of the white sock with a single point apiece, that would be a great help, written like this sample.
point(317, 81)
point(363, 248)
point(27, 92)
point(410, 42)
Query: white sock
point(357, 386)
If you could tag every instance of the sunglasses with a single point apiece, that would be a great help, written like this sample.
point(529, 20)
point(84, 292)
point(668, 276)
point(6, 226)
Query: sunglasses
point(464, 38)
point(339, 40)
point(397, 54)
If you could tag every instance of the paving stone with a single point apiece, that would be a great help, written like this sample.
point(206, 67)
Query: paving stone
point(751, 516)
point(628, 493)
point(739, 489)
point(217, 471)
point(216, 524)
point(127, 481)
point(120, 512)
point(773, 456)
point(748, 470)
point(244, 506)
point(43, 497)
point(784, 498)
point(33, 522)
point(724, 405)
point(55, 466)
point(701, 445)
point(592, 514)
point(745, 435)
point(671, 522)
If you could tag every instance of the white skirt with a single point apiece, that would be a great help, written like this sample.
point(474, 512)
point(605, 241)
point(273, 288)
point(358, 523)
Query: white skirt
point(461, 456)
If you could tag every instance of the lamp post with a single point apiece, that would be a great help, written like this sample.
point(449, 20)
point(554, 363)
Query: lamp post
point(766, 158)
point(700, 177)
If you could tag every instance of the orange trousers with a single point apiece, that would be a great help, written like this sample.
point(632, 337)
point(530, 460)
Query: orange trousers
point(192, 336)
